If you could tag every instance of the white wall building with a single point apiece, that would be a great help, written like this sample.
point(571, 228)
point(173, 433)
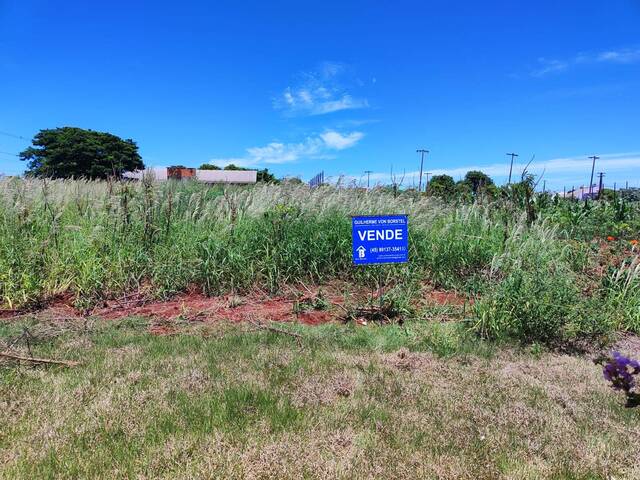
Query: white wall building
point(160, 174)
point(227, 176)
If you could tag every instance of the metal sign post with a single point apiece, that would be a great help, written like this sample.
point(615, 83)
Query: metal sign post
point(379, 240)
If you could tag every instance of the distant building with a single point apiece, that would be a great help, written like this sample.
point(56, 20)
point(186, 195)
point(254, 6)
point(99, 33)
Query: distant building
point(161, 174)
point(582, 193)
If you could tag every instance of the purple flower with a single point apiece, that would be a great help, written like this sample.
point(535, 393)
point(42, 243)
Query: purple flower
point(619, 370)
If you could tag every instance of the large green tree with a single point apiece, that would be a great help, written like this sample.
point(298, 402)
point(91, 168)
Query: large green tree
point(263, 175)
point(74, 152)
point(478, 181)
point(209, 166)
point(441, 186)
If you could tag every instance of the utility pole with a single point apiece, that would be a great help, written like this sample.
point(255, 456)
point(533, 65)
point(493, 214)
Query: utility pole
point(544, 187)
point(600, 186)
point(368, 172)
point(421, 152)
point(511, 166)
point(426, 185)
point(593, 167)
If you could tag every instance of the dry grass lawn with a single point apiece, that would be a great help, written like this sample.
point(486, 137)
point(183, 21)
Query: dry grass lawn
point(221, 401)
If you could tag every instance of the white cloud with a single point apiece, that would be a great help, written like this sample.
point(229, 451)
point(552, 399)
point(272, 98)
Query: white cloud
point(619, 56)
point(320, 92)
point(316, 147)
point(622, 56)
point(337, 141)
point(346, 102)
point(577, 167)
point(546, 67)
point(558, 171)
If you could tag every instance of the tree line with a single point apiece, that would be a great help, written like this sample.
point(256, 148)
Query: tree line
point(68, 152)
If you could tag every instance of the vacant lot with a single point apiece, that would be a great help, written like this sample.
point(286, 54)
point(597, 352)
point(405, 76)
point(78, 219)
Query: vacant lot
point(225, 333)
point(216, 400)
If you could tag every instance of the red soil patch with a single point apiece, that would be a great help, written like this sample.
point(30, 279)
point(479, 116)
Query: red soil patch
point(200, 308)
point(254, 307)
point(60, 306)
point(442, 297)
point(236, 309)
point(169, 317)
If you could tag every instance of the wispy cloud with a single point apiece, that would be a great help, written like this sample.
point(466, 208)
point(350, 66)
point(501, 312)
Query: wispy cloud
point(319, 92)
point(337, 141)
point(547, 66)
point(552, 167)
point(557, 171)
point(627, 55)
point(321, 146)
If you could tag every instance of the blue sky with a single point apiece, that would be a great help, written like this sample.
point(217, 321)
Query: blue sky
point(343, 87)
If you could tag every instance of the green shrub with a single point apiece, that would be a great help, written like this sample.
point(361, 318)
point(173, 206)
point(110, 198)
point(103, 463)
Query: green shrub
point(528, 305)
point(535, 296)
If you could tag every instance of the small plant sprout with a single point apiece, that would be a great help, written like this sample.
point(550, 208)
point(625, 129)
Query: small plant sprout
point(235, 301)
point(621, 371)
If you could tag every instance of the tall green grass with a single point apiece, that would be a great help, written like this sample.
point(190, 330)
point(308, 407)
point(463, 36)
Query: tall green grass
point(536, 293)
point(97, 240)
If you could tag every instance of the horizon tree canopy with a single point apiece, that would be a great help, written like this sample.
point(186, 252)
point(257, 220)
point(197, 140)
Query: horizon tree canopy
point(75, 152)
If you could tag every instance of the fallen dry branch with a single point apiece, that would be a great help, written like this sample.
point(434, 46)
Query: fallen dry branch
point(262, 326)
point(47, 361)
point(340, 306)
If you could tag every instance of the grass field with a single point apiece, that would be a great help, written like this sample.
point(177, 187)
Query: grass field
point(473, 360)
point(223, 401)
point(555, 279)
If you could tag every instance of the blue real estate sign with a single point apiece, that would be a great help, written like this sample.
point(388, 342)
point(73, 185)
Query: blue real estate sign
point(380, 239)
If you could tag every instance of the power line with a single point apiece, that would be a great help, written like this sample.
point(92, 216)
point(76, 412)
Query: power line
point(13, 135)
point(8, 153)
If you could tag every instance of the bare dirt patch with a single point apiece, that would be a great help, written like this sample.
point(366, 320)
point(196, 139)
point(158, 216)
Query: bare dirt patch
point(195, 306)
point(447, 297)
point(299, 305)
point(450, 302)
point(309, 305)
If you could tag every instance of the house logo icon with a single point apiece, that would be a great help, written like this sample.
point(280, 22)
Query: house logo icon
point(361, 251)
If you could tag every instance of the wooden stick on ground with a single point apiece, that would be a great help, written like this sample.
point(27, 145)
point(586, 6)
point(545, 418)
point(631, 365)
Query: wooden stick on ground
point(262, 326)
point(66, 363)
point(274, 329)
